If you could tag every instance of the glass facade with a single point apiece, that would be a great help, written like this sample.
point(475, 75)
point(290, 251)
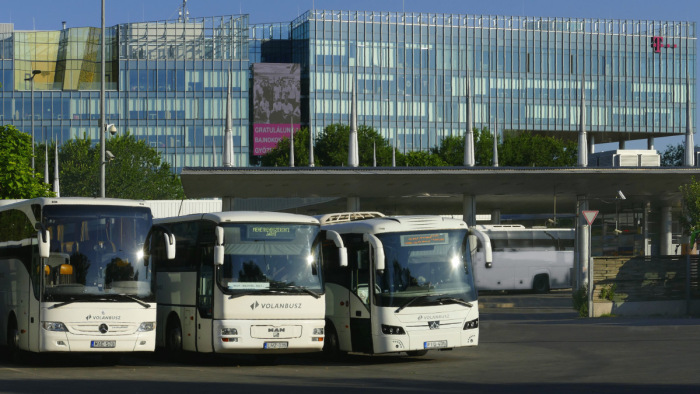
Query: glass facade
point(166, 81)
point(525, 73)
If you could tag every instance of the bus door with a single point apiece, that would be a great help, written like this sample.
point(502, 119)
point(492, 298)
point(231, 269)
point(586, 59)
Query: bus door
point(205, 291)
point(34, 305)
point(360, 297)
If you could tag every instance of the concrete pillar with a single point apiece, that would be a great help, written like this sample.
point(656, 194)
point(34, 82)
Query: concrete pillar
point(650, 143)
point(581, 253)
point(353, 204)
point(665, 233)
point(591, 144)
point(622, 144)
point(469, 209)
point(227, 204)
point(647, 232)
point(496, 216)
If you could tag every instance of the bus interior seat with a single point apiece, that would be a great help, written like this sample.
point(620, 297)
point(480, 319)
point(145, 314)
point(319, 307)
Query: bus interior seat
point(70, 247)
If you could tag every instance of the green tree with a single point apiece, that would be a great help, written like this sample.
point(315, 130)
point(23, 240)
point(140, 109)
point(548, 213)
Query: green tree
point(524, 149)
point(673, 155)
point(483, 147)
point(451, 149)
point(420, 159)
point(690, 219)
point(17, 179)
point(331, 148)
point(136, 172)
point(279, 156)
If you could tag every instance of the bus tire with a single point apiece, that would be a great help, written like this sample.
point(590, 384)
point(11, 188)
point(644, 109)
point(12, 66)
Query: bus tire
point(331, 343)
point(14, 353)
point(417, 353)
point(540, 284)
point(173, 336)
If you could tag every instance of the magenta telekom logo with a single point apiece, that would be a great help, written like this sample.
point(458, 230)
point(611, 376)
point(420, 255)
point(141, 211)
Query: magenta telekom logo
point(657, 42)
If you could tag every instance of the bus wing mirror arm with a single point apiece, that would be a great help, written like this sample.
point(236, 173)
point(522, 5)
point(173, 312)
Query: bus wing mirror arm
point(378, 250)
point(342, 250)
point(486, 242)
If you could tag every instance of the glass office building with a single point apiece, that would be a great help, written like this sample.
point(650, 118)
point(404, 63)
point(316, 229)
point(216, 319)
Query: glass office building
point(525, 73)
point(166, 81)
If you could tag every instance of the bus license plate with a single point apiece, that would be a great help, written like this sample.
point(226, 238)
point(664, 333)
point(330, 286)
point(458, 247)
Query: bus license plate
point(434, 344)
point(103, 344)
point(276, 345)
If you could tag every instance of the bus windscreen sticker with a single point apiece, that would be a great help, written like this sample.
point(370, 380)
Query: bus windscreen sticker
point(270, 232)
point(248, 285)
point(424, 239)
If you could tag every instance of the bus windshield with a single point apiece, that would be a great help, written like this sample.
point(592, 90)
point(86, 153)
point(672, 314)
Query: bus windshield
point(270, 257)
point(96, 251)
point(425, 268)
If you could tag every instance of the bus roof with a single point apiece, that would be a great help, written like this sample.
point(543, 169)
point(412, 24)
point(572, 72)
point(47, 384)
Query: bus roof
point(43, 201)
point(518, 228)
point(394, 224)
point(242, 217)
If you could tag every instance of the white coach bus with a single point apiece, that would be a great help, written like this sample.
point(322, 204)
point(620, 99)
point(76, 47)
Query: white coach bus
point(240, 282)
point(73, 277)
point(408, 285)
point(537, 259)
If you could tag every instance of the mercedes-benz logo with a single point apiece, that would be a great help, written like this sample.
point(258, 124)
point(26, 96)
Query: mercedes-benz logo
point(104, 328)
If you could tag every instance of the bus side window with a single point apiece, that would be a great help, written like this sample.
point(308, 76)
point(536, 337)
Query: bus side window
point(361, 273)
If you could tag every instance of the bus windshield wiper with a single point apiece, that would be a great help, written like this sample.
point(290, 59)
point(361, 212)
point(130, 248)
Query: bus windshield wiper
point(304, 289)
point(455, 300)
point(262, 291)
point(64, 303)
point(136, 300)
point(412, 300)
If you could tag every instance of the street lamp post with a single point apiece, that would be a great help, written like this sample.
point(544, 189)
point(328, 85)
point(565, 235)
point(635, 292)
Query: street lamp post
point(103, 124)
point(105, 155)
point(31, 81)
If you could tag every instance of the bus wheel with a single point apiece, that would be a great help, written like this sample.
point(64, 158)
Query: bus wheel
point(331, 344)
point(417, 353)
point(541, 284)
point(173, 337)
point(13, 350)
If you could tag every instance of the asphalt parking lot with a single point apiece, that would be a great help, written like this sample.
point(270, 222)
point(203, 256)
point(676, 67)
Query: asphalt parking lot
point(529, 343)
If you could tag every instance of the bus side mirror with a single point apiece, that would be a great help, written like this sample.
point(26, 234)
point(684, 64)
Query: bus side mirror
point(44, 243)
point(342, 250)
point(486, 244)
point(219, 246)
point(378, 250)
point(170, 246)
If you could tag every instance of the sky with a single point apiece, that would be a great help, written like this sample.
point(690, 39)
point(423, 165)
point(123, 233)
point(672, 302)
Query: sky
point(49, 15)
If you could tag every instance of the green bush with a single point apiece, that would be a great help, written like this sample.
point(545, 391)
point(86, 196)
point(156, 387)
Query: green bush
point(608, 292)
point(580, 301)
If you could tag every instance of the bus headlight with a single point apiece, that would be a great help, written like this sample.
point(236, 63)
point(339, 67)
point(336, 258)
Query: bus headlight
point(392, 330)
point(318, 331)
point(471, 324)
point(229, 331)
point(147, 326)
point(54, 326)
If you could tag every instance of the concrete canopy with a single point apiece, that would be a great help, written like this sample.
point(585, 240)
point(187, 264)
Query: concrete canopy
point(439, 190)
